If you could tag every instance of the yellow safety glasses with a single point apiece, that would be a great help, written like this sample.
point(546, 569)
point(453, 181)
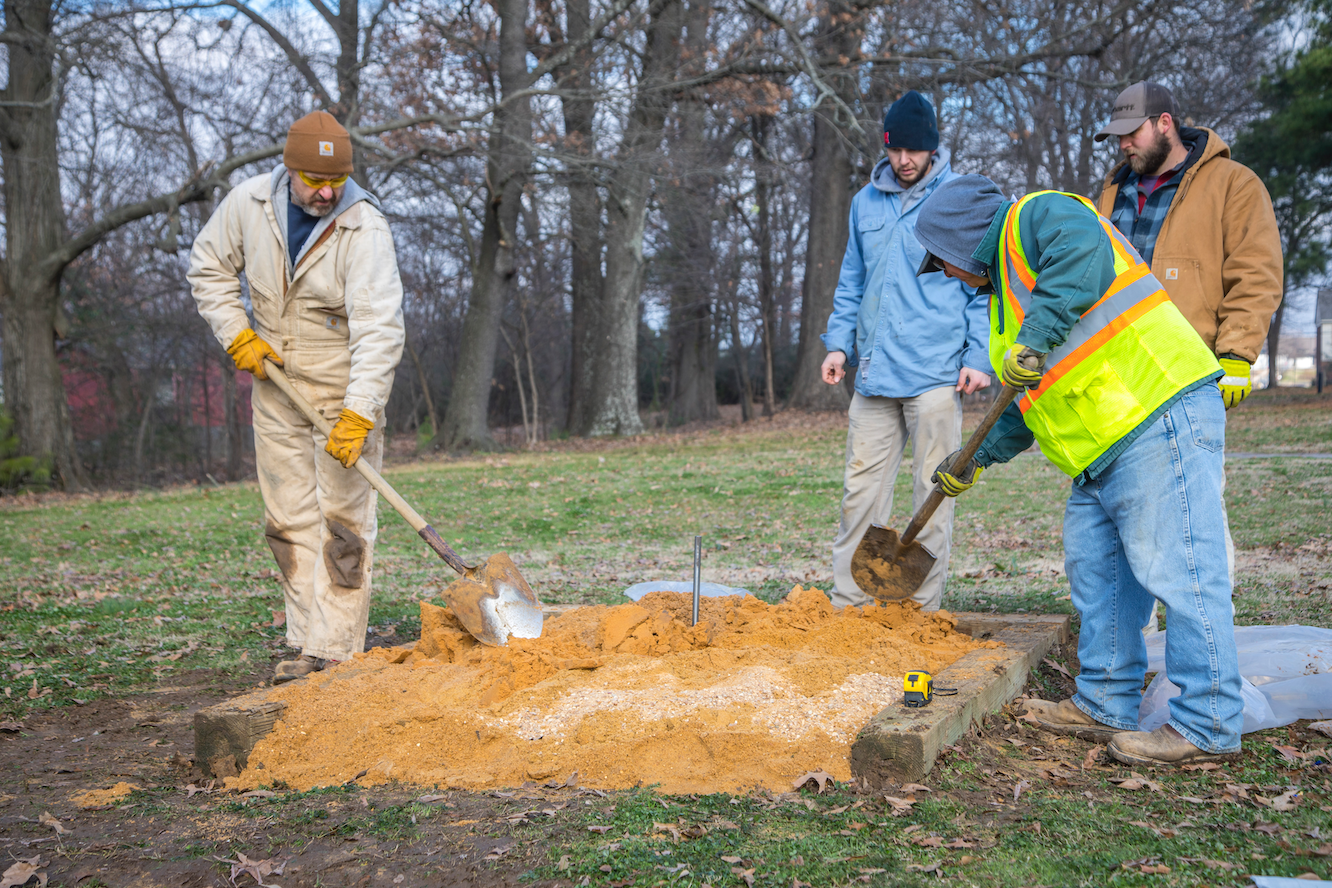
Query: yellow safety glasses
point(320, 183)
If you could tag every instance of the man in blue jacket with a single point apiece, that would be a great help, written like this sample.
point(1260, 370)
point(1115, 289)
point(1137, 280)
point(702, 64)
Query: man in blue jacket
point(915, 344)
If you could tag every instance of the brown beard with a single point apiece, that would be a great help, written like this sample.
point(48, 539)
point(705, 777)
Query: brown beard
point(1150, 161)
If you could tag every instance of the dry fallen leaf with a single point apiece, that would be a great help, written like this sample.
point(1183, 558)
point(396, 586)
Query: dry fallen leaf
point(600, 830)
point(22, 871)
point(47, 820)
point(1202, 766)
point(928, 841)
point(732, 860)
point(1287, 801)
point(1289, 753)
point(256, 869)
point(746, 874)
point(1093, 756)
point(822, 778)
point(915, 787)
point(1135, 782)
point(1017, 790)
point(1322, 727)
point(668, 827)
point(258, 794)
point(1057, 667)
point(901, 807)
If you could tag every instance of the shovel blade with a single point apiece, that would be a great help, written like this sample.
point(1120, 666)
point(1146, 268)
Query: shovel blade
point(494, 602)
point(887, 570)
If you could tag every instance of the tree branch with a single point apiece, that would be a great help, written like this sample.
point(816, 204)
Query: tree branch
point(298, 61)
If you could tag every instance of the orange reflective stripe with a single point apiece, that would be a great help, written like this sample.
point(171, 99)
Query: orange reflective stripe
point(1055, 373)
point(1132, 276)
point(1016, 256)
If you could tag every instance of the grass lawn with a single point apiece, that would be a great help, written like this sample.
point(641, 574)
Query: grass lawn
point(131, 611)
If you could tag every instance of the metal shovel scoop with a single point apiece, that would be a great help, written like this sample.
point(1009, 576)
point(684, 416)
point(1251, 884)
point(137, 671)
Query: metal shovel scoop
point(492, 600)
point(892, 568)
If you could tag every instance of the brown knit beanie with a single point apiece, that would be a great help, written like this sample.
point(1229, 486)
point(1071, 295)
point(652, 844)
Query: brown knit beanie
point(318, 144)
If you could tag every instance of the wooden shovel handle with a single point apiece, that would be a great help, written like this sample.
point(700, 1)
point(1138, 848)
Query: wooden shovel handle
point(1006, 396)
point(279, 378)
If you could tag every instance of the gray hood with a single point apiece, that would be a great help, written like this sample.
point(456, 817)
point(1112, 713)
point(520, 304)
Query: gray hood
point(351, 194)
point(956, 219)
point(883, 178)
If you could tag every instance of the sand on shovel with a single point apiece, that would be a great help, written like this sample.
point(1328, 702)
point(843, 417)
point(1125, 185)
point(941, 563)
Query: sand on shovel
point(753, 696)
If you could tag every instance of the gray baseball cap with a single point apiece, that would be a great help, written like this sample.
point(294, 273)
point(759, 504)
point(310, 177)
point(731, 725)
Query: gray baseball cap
point(1135, 105)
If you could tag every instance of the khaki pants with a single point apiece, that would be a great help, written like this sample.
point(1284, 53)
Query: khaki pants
point(320, 520)
point(875, 443)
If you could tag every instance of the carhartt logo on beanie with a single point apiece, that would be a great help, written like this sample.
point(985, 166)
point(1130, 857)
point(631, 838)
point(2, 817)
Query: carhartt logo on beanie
point(910, 123)
point(318, 144)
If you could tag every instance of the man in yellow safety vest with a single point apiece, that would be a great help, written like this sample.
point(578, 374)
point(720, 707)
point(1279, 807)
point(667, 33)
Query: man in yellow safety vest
point(1120, 394)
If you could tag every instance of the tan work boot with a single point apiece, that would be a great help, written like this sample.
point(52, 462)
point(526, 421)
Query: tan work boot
point(1065, 718)
point(298, 668)
point(1164, 746)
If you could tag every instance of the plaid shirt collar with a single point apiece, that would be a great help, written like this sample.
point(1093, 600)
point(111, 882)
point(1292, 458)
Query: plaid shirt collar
point(1140, 219)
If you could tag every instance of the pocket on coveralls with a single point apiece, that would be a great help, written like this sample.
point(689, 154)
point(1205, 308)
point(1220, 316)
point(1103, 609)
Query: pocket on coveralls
point(1207, 417)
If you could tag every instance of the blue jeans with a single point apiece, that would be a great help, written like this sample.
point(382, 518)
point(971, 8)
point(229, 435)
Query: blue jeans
point(1152, 527)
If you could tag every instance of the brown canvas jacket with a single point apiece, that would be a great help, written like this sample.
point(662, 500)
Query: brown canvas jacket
point(1219, 252)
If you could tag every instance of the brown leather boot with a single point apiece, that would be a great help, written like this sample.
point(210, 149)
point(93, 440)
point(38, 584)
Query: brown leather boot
point(298, 668)
point(1065, 718)
point(1164, 746)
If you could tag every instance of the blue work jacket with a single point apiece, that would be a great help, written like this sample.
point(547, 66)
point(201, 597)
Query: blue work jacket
point(903, 334)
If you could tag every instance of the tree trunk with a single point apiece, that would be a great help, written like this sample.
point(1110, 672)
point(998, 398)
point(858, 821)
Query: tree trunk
point(1273, 344)
point(465, 420)
point(585, 282)
point(614, 353)
point(35, 228)
point(767, 284)
point(690, 261)
point(829, 206)
point(231, 406)
point(741, 357)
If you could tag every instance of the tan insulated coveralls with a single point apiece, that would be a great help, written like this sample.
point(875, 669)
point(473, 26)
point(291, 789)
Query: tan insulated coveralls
point(338, 328)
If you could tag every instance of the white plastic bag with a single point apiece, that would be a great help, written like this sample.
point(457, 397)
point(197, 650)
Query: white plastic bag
point(1287, 673)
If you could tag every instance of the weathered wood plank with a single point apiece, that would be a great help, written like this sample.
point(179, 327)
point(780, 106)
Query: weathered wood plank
point(901, 745)
point(225, 734)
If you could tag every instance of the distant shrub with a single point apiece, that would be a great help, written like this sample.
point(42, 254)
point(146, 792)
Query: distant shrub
point(19, 472)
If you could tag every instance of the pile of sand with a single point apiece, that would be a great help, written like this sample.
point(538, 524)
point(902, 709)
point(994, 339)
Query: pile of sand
point(754, 695)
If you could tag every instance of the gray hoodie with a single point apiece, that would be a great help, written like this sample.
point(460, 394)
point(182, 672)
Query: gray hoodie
point(884, 179)
point(351, 193)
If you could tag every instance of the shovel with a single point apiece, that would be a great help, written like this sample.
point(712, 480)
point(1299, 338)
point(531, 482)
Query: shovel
point(492, 600)
point(891, 568)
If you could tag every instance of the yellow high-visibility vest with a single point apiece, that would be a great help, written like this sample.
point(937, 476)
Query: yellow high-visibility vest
point(1126, 356)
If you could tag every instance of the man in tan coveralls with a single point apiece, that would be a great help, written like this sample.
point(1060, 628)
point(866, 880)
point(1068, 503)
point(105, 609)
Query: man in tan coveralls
point(323, 278)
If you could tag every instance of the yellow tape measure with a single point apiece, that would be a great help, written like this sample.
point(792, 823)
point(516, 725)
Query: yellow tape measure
point(918, 689)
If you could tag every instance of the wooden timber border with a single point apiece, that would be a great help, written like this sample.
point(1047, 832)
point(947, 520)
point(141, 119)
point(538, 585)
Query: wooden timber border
point(898, 744)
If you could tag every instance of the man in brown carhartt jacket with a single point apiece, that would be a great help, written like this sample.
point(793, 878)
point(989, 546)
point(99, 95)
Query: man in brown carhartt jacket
point(1214, 243)
point(1205, 225)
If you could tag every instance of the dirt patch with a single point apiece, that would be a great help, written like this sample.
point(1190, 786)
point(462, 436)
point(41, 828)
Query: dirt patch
point(752, 696)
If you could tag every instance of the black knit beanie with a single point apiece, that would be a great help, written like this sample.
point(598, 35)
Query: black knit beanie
point(910, 123)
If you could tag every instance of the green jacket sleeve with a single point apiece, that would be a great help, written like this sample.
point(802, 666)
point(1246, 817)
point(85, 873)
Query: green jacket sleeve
point(1009, 437)
point(1074, 264)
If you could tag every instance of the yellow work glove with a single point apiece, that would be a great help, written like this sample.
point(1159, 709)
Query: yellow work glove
point(348, 437)
point(1237, 383)
point(1023, 367)
point(249, 352)
point(952, 484)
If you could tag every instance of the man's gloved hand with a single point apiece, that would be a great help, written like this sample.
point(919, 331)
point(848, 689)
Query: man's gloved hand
point(952, 484)
point(348, 437)
point(1237, 383)
point(249, 352)
point(1023, 367)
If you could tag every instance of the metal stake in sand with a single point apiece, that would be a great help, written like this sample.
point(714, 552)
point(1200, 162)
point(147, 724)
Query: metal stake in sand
point(698, 575)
